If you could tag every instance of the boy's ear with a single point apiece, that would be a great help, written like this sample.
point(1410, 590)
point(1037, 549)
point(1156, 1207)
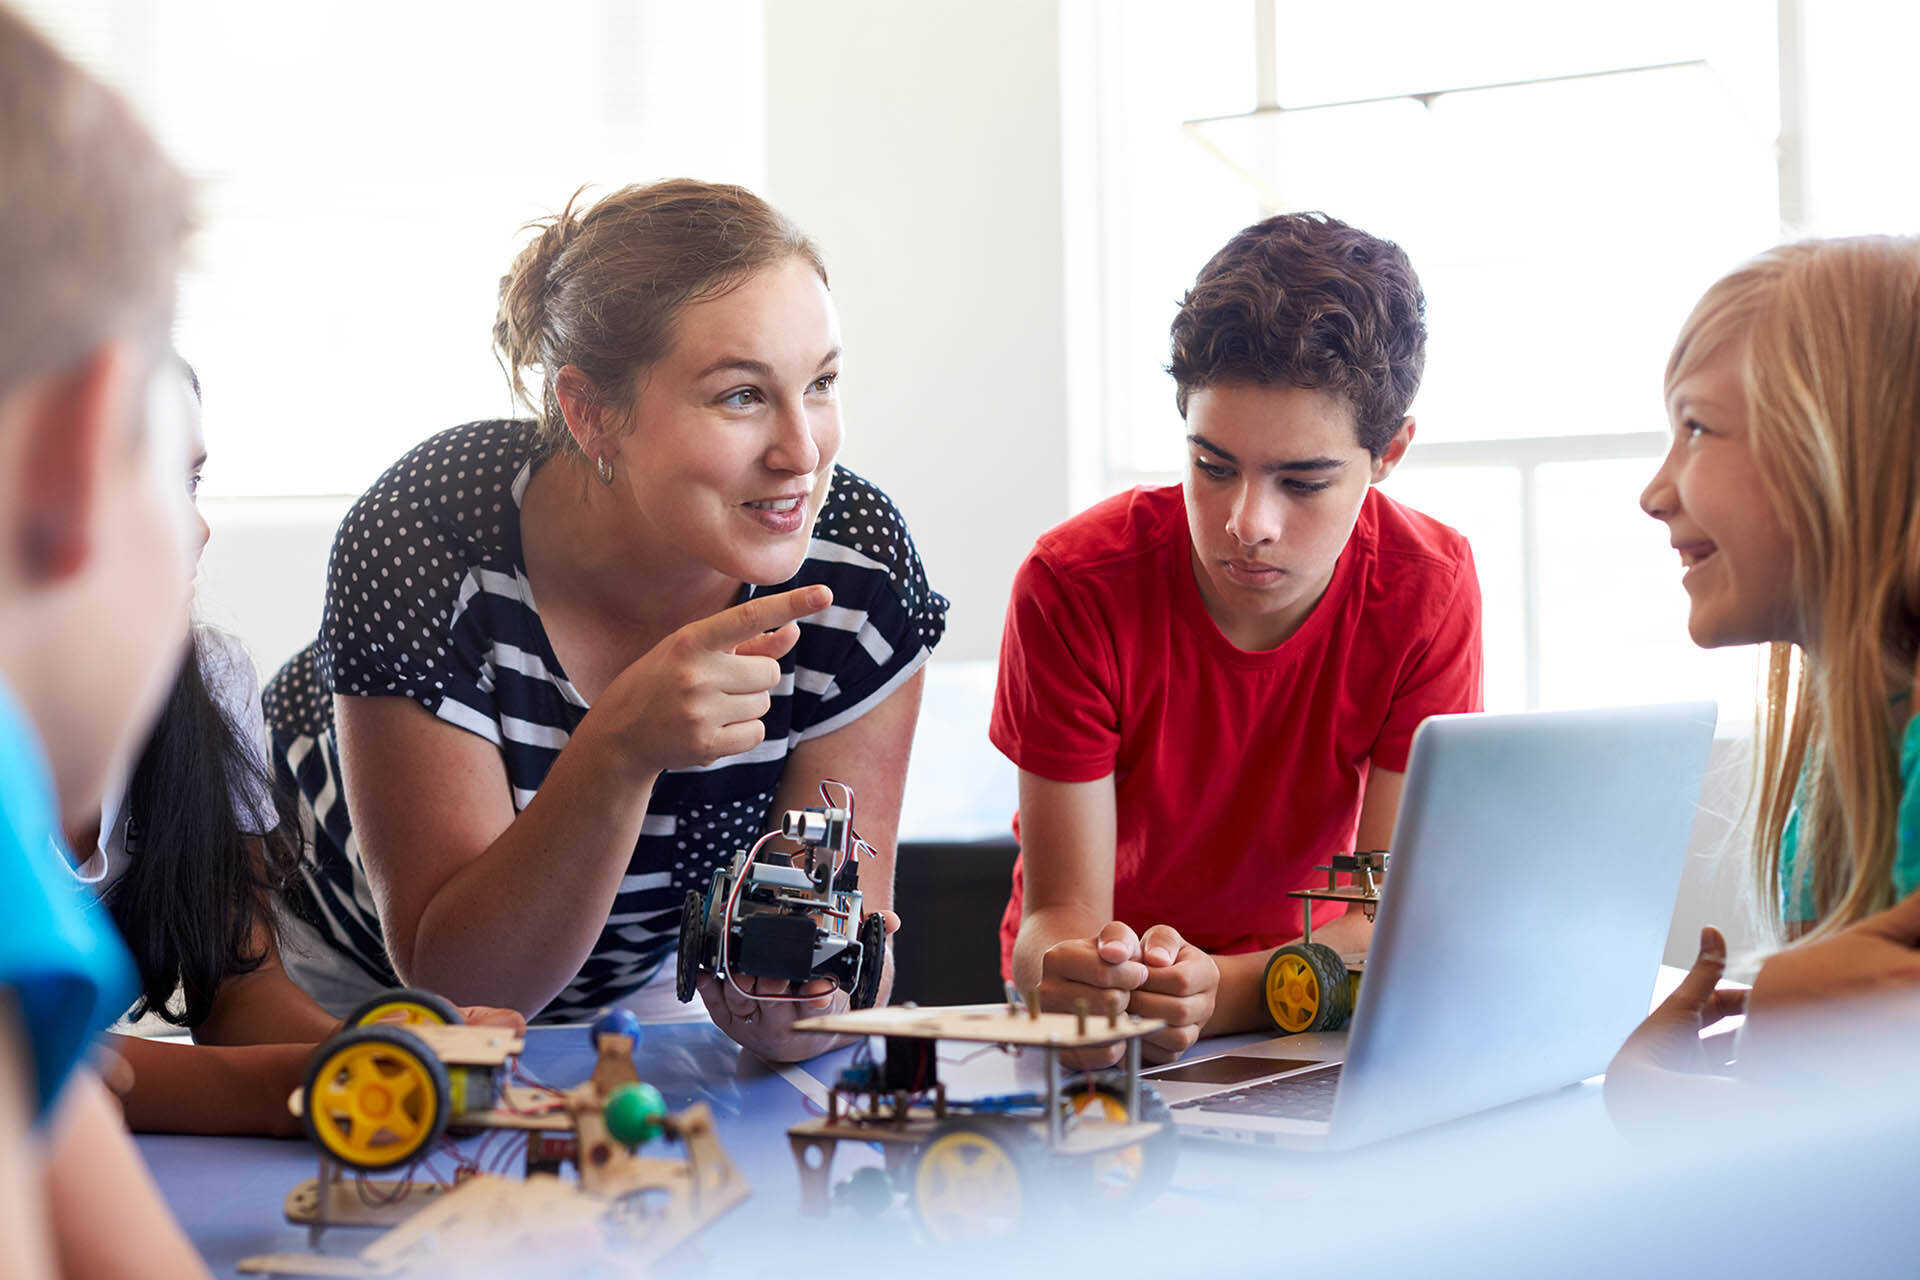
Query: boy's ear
point(70, 422)
point(1396, 449)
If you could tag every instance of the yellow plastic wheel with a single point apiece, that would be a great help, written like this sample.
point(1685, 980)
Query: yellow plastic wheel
point(1308, 988)
point(406, 1007)
point(970, 1185)
point(1293, 991)
point(376, 1097)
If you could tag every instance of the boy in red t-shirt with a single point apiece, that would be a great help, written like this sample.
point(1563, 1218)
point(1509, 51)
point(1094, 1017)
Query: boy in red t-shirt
point(1211, 687)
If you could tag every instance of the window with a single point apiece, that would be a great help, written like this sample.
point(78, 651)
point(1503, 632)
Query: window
point(1565, 188)
point(364, 168)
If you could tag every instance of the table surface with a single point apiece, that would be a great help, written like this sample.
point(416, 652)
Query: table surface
point(229, 1192)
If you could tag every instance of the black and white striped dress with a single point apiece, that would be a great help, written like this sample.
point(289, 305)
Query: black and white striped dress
point(428, 599)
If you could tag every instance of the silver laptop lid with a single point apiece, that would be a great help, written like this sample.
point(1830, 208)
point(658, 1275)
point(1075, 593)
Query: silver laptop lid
point(1536, 860)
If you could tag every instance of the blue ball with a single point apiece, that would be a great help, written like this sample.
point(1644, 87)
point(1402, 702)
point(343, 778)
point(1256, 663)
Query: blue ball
point(619, 1022)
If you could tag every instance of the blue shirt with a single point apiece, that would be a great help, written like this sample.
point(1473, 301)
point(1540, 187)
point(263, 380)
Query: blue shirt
point(1796, 898)
point(64, 964)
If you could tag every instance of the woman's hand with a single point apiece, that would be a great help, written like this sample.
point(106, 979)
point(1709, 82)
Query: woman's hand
point(766, 1026)
point(698, 695)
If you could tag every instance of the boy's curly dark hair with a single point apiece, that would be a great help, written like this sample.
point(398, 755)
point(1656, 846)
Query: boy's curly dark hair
point(1305, 300)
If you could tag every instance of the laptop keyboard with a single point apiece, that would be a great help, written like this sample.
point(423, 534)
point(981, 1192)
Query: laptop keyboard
point(1307, 1096)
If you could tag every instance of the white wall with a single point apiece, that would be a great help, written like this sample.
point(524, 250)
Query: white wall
point(920, 145)
point(263, 576)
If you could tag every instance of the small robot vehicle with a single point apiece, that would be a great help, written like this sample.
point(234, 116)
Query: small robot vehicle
point(1308, 986)
point(384, 1093)
point(993, 1166)
point(789, 918)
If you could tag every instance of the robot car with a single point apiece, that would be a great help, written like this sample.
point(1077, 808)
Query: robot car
point(788, 918)
point(1308, 985)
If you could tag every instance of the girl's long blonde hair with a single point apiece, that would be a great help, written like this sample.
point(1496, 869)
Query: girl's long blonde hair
point(1829, 339)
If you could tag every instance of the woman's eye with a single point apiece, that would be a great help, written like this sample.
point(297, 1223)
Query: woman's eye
point(741, 399)
point(1693, 429)
point(193, 485)
point(1306, 486)
point(824, 383)
point(1211, 470)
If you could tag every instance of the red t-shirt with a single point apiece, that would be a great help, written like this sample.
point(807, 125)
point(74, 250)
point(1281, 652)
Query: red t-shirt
point(1234, 772)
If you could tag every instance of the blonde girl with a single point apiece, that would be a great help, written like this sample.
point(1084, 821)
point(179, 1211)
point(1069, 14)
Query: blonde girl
point(1792, 494)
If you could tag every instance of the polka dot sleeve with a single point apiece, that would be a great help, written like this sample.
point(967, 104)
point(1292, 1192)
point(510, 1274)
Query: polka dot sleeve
point(408, 560)
point(885, 619)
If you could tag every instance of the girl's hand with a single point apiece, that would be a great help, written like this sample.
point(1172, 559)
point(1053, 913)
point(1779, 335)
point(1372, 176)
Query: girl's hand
point(477, 1015)
point(1646, 1081)
point(1669, 1039)
point(482, 1015)
point(698, 695)
point(1860, 988)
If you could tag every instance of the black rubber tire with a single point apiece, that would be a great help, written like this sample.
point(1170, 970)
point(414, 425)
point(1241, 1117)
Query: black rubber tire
point(1338, 1008)
point(430, 1001)
point(873, 961)
point(402, 1044)
point(868, 1192)
point(693, 928)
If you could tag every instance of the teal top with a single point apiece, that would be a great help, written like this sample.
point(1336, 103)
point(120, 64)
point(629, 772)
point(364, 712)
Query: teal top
point(1796, 900)
point(63, 962)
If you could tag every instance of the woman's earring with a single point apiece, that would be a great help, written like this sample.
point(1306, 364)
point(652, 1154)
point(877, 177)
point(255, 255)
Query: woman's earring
point(605, 469)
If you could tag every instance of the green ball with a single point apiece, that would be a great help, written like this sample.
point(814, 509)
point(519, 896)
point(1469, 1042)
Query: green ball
point(635, 1113)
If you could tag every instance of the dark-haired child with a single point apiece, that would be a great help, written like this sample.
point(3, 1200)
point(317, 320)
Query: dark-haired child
point(187, 858)
point(1211, 687)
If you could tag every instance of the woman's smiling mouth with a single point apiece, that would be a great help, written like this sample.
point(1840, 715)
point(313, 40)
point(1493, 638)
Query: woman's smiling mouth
point(780, 515)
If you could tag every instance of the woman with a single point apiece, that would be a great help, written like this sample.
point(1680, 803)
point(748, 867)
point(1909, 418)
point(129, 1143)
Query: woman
point(1792, 493)
point(552, 690)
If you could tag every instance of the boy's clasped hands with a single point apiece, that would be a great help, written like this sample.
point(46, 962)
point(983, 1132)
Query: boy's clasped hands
point(1155, 974)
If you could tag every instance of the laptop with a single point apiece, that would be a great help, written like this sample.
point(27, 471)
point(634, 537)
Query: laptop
point(1535, 863)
